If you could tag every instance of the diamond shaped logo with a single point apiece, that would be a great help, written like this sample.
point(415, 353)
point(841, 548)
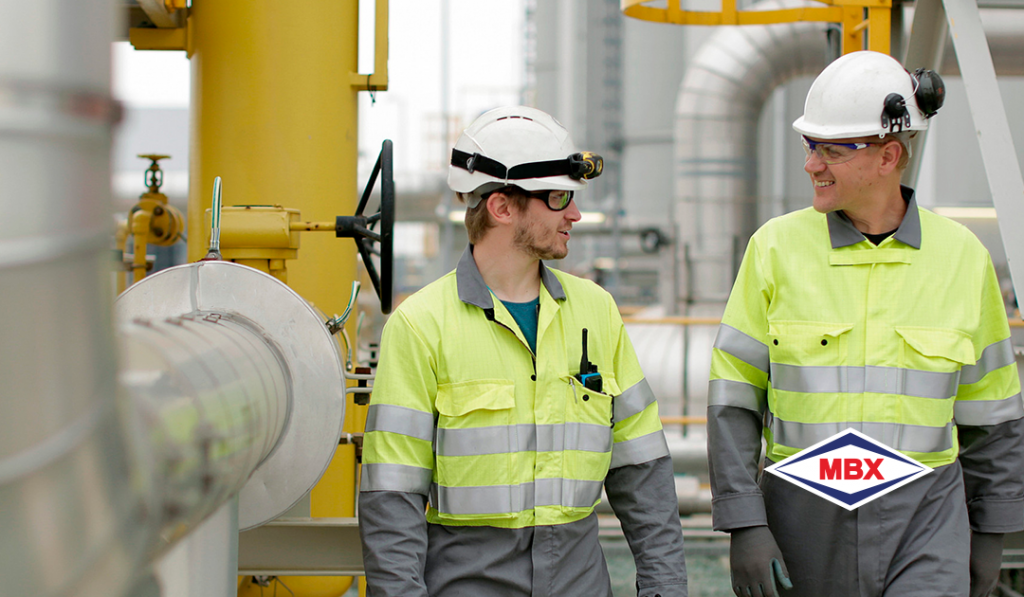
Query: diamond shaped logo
point(849, 469)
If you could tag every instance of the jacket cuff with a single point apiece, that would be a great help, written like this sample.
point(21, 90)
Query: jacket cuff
point(672, 590)
point(738, 511)
point(996, 515)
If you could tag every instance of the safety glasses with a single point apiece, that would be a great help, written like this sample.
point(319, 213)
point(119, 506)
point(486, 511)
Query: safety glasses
point(555, 200)
point(833, 153)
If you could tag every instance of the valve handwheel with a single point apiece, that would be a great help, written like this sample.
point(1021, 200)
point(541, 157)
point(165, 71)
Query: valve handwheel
point(376, 229)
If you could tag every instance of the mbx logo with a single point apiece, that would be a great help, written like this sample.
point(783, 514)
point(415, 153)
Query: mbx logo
point(849, 469)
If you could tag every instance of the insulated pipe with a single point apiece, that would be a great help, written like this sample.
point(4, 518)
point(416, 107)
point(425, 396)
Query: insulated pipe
point(210, 396)
point(66, 505)
point(720, 100)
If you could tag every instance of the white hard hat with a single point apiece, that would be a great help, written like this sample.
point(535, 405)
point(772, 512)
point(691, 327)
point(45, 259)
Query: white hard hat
point(869, 93)
point(522, 146)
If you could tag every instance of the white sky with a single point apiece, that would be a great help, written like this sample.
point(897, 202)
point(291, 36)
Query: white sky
point(486, 70)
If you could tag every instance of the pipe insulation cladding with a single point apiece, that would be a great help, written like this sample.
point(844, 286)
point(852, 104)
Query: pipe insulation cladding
point(66, 501)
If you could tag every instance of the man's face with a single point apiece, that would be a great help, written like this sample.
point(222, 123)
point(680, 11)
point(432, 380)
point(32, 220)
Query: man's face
point(843, 185)
point(543, 233)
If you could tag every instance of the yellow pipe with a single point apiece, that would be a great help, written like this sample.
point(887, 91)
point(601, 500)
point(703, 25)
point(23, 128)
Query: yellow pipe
point(121, 238)
point(269, 117)
point(140, 237)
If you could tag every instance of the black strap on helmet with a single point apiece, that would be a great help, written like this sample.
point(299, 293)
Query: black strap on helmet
point(584, 165)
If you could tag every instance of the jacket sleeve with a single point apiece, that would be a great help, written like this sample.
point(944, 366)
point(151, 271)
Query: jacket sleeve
point(637, 436)
point(737, 400)
point(640, 484)
point(398, 462)
point(989, 415)
point(393, 529)
point(643, 497)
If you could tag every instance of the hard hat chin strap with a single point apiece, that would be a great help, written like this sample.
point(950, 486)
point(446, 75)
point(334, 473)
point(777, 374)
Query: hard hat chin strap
point(584, 165)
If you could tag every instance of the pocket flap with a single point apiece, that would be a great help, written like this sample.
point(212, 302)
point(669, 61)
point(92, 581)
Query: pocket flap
point(807, 328)
point(457, 399)
point(939, 342)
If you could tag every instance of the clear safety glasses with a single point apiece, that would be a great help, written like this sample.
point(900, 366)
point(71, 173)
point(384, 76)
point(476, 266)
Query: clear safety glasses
point(833, 153)
point(555, 200)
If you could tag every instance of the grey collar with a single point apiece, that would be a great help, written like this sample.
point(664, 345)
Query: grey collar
point(843, 233)
point(473, 290)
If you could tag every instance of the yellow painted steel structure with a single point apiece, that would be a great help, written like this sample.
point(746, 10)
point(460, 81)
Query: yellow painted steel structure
point(274, 114)
point(860, 19)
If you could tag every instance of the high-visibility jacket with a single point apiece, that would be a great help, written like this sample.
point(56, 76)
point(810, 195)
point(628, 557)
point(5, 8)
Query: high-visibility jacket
point(465, 413)
point(825, 331)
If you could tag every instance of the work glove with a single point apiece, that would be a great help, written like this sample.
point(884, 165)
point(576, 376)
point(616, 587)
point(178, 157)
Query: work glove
point(756, 563)
point(986, 559)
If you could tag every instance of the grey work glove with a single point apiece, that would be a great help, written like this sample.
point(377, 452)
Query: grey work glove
point(756, 563)
point(986, 559)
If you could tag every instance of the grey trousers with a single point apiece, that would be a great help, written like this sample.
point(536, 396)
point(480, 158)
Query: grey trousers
point(912, 542)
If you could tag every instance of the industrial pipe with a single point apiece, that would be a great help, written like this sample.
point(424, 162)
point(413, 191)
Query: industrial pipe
point(66, 505)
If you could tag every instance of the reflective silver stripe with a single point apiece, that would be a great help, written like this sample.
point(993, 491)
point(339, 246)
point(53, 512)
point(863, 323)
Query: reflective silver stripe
point(401, 420)
point(395, 477)
point(988, 412)
point(523, 438)
point(854, 380)
point(724, 392)
point(642, 449)
point(634, 400)
point(742, 346)
point(502, 499)
point(909, 438)
point(995, 356)
point(572, 493)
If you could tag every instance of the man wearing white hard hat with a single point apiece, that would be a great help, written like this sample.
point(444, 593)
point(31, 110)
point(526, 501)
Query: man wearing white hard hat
point(508, 395)
point(866, 312)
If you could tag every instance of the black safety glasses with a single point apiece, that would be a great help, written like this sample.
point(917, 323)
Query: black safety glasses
point(555, 200)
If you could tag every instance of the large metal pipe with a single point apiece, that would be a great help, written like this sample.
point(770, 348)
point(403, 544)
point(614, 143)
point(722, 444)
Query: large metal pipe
point(210, 396)
point(65, 498)
point(719, 103)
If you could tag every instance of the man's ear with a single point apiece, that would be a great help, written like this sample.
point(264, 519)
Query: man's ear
point(500, 207)
point(890, 154)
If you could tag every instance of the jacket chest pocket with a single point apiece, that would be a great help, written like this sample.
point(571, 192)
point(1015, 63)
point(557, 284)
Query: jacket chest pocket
point(587, 406)
point(475, 444)
point(934, 349)
point(587, 448)
point(808, 343)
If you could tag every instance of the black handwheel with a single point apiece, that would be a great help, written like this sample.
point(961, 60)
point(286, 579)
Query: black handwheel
point(378, 228)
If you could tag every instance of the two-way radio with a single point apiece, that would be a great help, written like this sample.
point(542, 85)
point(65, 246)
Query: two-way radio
point(588, 374)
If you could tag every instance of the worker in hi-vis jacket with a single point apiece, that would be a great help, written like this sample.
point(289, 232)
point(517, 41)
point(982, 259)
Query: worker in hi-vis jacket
point(508, 394)
point(866, 312)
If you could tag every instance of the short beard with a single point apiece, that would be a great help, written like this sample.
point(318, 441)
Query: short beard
point(525, 239)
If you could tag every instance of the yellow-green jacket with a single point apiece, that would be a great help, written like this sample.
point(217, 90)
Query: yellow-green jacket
point(510, 449)
point(903, 342)
point(518, 441)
